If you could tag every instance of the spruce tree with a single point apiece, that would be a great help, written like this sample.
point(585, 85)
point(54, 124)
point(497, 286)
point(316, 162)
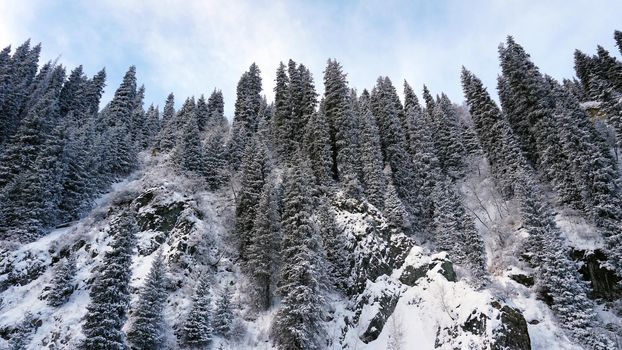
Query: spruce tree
point(30, 201)
point(394, 210)
point(448, 144)
point(223, 315)
point(22, 336)
point(94, 91)
point(494, 134)
point(168, 131)
point(246, 114)
point(455, 231)
point(197, 327)
point(262, 250)
point(188, 154)
point(339, 114)
point(255, 170)
point(393, 144)
point(374, 182)
point(216, 110)
point(21, 73)
point(282, 121)
point(62, 284)
point(318, 148)
point(296, 324)
point(556, 273)
point(335, 247)
point(147, 323)
point(215, 158)
point(110, 294)
point(202, 113)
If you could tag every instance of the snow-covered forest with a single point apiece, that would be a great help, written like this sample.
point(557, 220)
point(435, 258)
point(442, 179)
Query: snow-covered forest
point(359, 218)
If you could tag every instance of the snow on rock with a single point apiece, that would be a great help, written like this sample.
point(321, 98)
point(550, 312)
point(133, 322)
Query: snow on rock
point(434, 312)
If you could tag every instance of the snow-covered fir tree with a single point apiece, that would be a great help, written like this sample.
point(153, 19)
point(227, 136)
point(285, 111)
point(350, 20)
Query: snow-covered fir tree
point(23, 333)
point(63, 281)
point(297, 323)
point(146, 329)
point(110, 293)
point(223, 314)
point(196, 330)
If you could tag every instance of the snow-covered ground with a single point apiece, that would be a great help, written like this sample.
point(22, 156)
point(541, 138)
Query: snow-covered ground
point(428, 314)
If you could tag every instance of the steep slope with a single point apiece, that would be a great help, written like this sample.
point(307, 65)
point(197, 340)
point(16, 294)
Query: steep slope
point(401, 295)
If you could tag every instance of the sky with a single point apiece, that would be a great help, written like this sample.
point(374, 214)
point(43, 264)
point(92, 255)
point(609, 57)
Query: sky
point(191, 47)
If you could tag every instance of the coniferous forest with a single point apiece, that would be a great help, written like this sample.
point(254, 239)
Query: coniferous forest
point(333, 217)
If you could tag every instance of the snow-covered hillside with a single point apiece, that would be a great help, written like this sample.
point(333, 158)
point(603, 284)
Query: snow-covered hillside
point(408, 297)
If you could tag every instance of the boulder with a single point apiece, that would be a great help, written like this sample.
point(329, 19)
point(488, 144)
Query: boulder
point(512, 333)
point(605, 284)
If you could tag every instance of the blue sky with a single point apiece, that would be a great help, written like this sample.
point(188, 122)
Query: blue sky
point(193, 46)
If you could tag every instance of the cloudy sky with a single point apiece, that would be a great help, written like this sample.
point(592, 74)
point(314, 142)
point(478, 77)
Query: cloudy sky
point(190, 47)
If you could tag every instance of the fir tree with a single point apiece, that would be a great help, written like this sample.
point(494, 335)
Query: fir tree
point(371, 155)
point(318, 148)
point(110, 294)
point(215, 158)
point(197, 328)
point(246, 114)
point(22, 70)
point(256, 167)
point(188, 153)
point(223, 315)
point(22, 336)
point(216, 110)
point(262, 249)
point(202, 113)
point(339, 114)
point(147, 323)
point(62, 284)
point(168, 131)
point(297, 322)
point(394, 210)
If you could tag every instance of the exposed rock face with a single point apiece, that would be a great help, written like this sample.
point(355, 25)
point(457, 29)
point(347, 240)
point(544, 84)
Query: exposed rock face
point(374, 247)
point(523, 279)
point(603, 281)
point(416, 267)
point(384, 303)
point(509, 330)
point(512, 333)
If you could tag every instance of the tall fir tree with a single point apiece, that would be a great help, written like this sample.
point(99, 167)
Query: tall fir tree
point(318, 148)
point(146, 330)
point(262, 250)
point(296, 324)
point(215, 158)
point(168, 131)
point(197, 328)
point(110, 293)
point(339, 114)
point(188, 154)
point(374, 182)
point(246, 114)
point(255, 170)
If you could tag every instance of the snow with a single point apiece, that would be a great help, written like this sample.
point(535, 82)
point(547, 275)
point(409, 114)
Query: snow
point(432, 304)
